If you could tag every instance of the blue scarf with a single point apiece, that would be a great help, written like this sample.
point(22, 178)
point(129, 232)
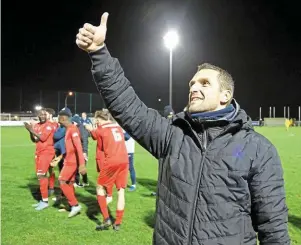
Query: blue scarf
point(223, 114)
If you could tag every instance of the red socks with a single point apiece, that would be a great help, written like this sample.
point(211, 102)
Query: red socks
point(68, 191)
point(51, 180)
point(103, 206)
point(119, 215)
point(44, 188)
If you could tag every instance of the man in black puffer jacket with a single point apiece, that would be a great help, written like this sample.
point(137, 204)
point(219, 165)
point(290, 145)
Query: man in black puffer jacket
point(219, 181)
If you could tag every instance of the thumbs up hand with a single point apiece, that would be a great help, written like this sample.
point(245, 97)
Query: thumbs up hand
point(91, 38)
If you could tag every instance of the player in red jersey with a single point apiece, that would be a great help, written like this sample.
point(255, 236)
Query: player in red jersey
point(50, 112)
point(100, 158)
point(115, 167)
point(74, 157)
point(42, 134)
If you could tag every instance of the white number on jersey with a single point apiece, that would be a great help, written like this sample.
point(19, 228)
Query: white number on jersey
point(116, 134)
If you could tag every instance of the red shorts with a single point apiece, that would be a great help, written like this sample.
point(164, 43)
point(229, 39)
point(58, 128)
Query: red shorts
point(43, 163)
point(68, 172)
point(114, 174)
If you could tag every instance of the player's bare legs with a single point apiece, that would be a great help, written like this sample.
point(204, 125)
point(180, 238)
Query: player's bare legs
point(44, 192)
point(121, 183)
point(101, 198)
point(51, 181)
point(120, 209)
point(109, 196)
point(68, 191)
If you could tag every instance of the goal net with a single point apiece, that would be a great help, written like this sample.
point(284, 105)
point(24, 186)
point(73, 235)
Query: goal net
point(5, 117)
point(274, 122)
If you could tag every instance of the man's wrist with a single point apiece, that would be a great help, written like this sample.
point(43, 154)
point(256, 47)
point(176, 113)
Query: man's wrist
point(98, 48)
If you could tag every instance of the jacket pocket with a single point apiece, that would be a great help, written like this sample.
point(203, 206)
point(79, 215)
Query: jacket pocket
point(249, 235)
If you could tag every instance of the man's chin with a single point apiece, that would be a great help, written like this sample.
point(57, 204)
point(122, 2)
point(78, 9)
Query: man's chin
point(195, 109)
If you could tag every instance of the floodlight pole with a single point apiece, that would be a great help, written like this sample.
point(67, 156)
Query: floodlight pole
point(299, 114)
point(170, 77)
point(66, 100)
point(171, 40)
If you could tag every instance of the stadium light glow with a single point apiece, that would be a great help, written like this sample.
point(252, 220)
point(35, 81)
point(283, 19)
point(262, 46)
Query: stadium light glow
point(70, 93)
point(171, 39)
point(38, 107)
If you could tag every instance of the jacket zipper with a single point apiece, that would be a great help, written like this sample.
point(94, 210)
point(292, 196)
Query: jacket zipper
point(204, 138)
point(203, 148)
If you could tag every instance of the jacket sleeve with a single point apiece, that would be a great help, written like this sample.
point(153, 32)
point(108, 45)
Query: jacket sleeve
point(145, 125)
point(126, 136)
point(269, 210)
point(84, 138)
point(59, 133)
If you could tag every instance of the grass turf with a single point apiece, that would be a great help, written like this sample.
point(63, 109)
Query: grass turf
point(21, 224)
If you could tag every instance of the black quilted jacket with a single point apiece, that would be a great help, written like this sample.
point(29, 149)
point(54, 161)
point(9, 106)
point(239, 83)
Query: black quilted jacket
point(219, 182)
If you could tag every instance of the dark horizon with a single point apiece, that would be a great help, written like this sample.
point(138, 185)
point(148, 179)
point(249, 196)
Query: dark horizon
point(258, 43)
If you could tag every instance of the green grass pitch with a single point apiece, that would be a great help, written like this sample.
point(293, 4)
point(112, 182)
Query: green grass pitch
point(22, 225)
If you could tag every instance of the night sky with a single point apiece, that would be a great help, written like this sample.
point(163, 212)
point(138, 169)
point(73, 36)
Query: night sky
point(257, 42)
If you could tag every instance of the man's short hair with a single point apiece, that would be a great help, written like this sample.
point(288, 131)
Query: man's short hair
point(39, 111)
point(104, 115)
point(50, 111)
point(225, 79)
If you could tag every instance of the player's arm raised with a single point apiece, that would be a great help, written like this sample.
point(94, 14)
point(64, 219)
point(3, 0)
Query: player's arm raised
point(38, 137)
point(145, 125)
point(92, 131)
point(45, 134)
point(30, 129)
point(33, 138)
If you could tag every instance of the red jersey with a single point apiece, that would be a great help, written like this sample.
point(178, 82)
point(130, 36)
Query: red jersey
point(74, 150)
point(110, 143)
point(55, 125)
point(45, 144)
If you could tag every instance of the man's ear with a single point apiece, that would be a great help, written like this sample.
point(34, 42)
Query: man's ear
point(225, 97)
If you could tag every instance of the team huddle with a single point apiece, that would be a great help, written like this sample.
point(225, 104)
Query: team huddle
point(64, 144)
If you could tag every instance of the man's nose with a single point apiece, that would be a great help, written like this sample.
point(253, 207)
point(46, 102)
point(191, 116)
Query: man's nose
point(195, 91)
point(194, 88)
